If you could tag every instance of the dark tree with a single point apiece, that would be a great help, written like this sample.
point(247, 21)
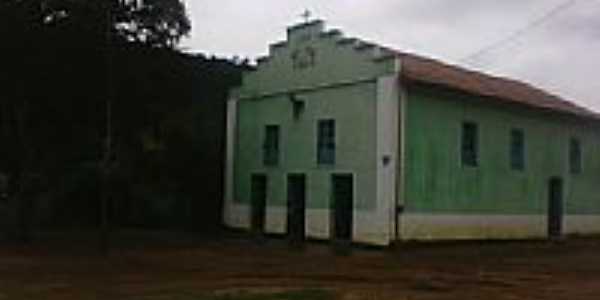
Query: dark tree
point(62, 60)
point(55, 83)
point(158, 23)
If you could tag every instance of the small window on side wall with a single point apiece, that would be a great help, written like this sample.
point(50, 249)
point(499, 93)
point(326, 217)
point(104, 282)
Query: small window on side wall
point(470, 144)
point(575, 156)
point(517, 149)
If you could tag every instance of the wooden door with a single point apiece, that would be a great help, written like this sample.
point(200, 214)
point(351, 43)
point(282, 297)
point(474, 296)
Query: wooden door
point(555, 207)
point(296, 207)
point(343, 204)
point(258, 203)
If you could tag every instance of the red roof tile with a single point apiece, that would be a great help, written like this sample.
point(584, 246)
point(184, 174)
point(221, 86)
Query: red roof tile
point(420, 69)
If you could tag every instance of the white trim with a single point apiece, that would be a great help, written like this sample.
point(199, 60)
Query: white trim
point(400, 185)
point(581, 224)
point(238, 216)
point(424, 227)
point(231, 142)
point(457, 227)
point(317, 224)
point(387, 147)
point(276, 220)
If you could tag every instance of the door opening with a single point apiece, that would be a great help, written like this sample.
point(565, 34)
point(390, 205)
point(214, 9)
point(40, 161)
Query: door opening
point(342, 204)
point(555, 207)
point(296, 207)
point(258, 203)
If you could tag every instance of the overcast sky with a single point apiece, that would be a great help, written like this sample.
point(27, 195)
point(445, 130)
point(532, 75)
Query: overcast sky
point(560, 54)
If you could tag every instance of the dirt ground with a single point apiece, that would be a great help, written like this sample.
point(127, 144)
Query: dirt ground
point(181, 266)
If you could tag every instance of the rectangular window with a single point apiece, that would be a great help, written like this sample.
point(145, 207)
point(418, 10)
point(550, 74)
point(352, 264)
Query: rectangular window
point(326, 142)
point(470, 144)
point(575, 156)
point(271, 146)
point(517, 149)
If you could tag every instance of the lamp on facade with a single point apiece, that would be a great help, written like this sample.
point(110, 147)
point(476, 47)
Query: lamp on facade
point(298, 106)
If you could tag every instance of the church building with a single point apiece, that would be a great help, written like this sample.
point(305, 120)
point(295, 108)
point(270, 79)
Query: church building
point(335, 138)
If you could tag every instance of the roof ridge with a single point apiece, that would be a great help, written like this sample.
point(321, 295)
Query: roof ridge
point(427, 69)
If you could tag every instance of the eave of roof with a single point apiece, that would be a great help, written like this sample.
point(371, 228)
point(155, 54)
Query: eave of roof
point(425, 70)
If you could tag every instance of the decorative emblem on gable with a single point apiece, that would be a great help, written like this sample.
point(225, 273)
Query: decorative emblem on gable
point(304, 58)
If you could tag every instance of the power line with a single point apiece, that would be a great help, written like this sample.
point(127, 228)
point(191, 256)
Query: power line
point(535, 23)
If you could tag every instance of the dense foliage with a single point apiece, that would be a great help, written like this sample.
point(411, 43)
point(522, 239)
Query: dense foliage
point(60, 60)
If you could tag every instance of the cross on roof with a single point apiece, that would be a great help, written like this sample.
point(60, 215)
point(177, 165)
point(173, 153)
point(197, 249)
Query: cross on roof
point(306, 15)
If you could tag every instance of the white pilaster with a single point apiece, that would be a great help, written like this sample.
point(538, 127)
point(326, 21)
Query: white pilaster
point(387, 154)
point(232, 111)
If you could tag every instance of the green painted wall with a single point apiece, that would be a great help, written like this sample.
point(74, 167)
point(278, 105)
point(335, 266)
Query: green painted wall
point(354, 111)
point(340, 85)
point(436, 181)
point(334, 63)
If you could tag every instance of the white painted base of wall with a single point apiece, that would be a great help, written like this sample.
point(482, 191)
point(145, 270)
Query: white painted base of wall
point(461, 227)
point(237, 216)
point(369, 228)
point(582, 224)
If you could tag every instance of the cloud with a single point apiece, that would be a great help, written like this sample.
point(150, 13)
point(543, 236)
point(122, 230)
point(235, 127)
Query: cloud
point(561, 55)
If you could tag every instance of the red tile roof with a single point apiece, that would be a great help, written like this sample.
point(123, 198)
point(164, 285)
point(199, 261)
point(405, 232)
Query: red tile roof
point(420, 69)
